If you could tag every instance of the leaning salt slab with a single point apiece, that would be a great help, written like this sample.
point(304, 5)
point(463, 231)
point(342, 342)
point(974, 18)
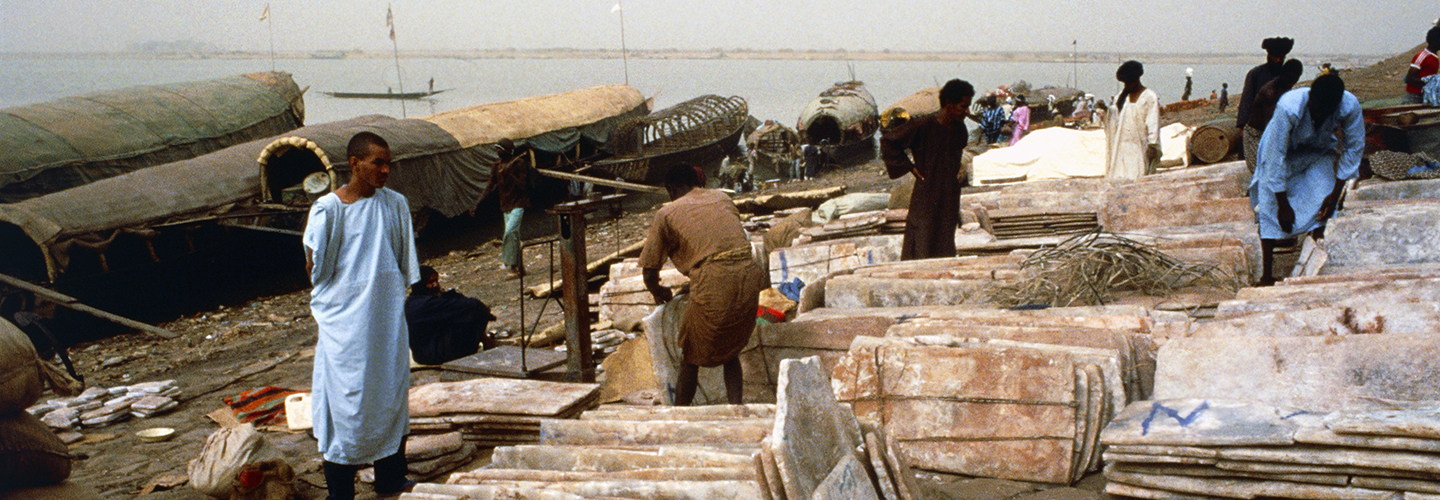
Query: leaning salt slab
point(812, 432)
point(847, 481)
point(1309, 373)
point(1198, 422)
point(884, 476)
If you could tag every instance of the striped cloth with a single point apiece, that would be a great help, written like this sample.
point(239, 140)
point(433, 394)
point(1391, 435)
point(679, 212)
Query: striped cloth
point(263, 406)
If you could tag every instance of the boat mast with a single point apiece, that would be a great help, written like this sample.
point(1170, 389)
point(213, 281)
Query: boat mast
point(1074, 65)
point(624, 53)
point(270, 23)
point(390, 21)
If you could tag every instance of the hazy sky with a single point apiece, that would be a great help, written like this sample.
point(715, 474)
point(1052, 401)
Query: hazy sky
point(1126, 26)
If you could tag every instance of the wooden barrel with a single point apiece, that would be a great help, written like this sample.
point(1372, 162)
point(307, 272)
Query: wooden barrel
point(1214, 141)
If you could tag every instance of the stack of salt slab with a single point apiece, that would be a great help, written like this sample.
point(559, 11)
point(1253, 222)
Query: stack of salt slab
point(1187, 197)
point(702, 452)
point(496, 411)
point(1323, 387)
point(430, 455)
point(1018, 395)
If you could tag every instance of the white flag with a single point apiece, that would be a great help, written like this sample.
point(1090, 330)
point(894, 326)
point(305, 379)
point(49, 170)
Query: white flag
point(615, 9)
point(390, 21)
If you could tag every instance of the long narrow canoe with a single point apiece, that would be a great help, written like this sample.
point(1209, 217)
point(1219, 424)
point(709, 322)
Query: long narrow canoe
point(383, 95)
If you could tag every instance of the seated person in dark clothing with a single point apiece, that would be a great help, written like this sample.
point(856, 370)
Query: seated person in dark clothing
point(444, 326)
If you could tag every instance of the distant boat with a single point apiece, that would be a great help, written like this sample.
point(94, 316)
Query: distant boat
point(384, 95)
point(327, 54)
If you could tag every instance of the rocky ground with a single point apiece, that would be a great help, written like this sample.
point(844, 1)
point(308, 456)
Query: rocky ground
point(270, 340)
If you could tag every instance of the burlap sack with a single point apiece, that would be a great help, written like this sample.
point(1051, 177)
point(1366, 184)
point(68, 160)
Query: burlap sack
point(20, 369)
point(30, 454)
point(228, 451)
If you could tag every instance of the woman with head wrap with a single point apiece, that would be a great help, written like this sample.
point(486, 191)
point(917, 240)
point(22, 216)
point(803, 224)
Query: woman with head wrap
point(1132, 130)
point(1302, 165)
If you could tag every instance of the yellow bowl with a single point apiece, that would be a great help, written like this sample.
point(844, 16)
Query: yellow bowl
point(155, 434)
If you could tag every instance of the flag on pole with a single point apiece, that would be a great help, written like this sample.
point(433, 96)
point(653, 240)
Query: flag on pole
point(390, 22)
point(615, 9)
point(265, 15)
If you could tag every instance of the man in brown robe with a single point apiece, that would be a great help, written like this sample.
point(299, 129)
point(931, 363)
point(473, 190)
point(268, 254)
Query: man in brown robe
point(700, 232)
point(931, 148)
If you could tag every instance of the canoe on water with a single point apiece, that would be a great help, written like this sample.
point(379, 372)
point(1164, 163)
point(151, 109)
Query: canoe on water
point(383, 95)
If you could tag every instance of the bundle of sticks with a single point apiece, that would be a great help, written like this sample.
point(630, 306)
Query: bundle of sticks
point(1089, 268)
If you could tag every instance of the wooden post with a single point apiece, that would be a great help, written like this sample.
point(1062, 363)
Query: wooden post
point(581, 363)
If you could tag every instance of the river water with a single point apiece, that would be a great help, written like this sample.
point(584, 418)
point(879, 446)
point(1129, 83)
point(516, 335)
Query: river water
point(775, 89)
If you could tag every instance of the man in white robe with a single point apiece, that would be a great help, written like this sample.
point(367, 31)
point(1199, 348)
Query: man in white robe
point(1132, 128)
point(1302, 167)
point(360, 252)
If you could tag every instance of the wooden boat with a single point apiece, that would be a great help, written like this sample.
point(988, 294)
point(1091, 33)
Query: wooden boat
point(64, 143)
point(442, 164)
point(844, 116)
point(383, 95)
point(775, 147)
point(700, 131)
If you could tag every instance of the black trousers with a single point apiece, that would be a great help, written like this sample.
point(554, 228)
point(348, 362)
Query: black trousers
point(389, 476)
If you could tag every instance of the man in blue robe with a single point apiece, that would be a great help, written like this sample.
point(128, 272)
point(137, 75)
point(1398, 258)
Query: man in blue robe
point(360, 252)
point(1302, 165)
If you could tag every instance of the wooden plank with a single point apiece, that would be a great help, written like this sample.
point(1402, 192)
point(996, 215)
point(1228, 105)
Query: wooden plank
point(601, 182)
point(74, 304)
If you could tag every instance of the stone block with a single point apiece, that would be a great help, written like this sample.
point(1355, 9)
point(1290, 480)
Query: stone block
point(1033, 460)
point(652, 432)
point(580, 458)
point(499, 396)
point(810, 262)
point(1211, 471)
point(858, 291)
point(1345, 457)
point(1384, 235)
point(1119, 220)
point(1414, 189)
point(1245, 488)
point(1308, 373)
point(1006, 411)
point(684, 413)
point(1417, 423)
point(1198, 422)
